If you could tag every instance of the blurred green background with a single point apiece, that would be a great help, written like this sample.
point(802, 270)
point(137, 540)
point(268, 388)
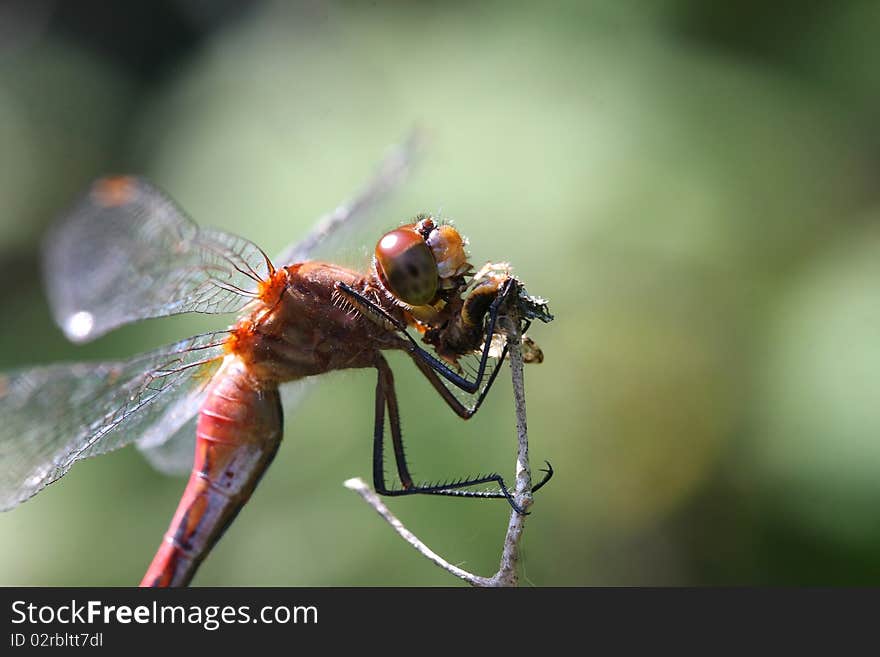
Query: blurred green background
point(693, 185)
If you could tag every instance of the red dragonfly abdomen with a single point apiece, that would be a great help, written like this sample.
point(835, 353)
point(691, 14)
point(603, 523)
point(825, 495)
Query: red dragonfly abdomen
point(239, 431)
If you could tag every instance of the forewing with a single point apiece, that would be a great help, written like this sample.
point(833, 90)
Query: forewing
point(53, 416)
point(126, 252)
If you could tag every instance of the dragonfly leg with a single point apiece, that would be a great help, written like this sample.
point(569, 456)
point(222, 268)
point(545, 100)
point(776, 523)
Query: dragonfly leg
point(462, 410)
point(387, 398)
point(380, 316)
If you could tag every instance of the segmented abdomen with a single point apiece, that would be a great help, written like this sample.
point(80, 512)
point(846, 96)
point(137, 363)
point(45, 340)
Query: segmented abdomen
point(238, 433)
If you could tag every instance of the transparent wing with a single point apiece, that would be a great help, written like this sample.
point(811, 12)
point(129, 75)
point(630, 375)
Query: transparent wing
point(170, 444)
point(173, 456)
point(53, 416)
point(126, 252)
point(391, 173)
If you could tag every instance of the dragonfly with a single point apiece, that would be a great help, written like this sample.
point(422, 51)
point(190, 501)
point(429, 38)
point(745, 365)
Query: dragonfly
point(126, 252)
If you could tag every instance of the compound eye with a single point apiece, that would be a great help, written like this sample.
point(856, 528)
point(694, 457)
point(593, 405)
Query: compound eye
point(406, 266)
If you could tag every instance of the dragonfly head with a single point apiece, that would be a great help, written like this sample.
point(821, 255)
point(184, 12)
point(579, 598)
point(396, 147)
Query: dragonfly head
point(415, 263)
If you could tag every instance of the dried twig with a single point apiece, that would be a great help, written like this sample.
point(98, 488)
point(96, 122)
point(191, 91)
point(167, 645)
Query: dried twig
point(359, 486)
point(506, 575)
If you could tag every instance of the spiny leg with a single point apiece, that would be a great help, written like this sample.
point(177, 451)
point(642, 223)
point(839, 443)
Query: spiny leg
point(467, 412)
point(386, 397)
